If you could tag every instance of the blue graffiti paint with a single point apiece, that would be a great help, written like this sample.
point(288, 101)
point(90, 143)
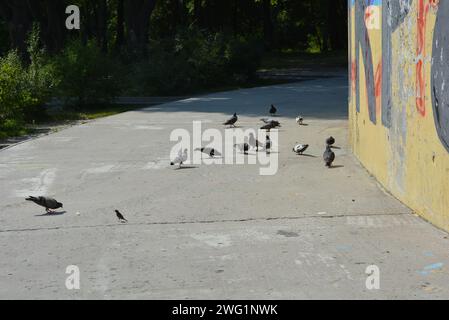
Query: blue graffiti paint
point(431, 267)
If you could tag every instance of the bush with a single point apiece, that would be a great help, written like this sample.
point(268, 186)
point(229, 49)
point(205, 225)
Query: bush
point(87, 75)
point(40, 79)
point(244, 57)
point(195, 60)
point(24, 90)
point(14, 96)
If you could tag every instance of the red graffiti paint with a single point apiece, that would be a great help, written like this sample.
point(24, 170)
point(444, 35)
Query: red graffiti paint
point(378, 87)
point(423, 10)
point(368, 15)
point(420, 55)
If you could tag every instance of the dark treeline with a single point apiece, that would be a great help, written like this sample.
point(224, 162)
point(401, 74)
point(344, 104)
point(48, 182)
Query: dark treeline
point(147, 47)
point(117, 24)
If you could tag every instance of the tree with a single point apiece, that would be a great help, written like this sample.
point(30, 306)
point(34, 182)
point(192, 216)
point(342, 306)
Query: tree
point(137, 19)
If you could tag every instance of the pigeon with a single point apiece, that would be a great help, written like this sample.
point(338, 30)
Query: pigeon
point(328, 156)
point(299, 120)
point(268, 144)
point(271, 121)
point(211, 152)
point(300, 148)
point(120, 217)
point(253, 142)
point(330, 141)
point(269, 126)
point(273, 110)
point(231, 122)
point(181, 158)
point(244, 147)
point(48, 203)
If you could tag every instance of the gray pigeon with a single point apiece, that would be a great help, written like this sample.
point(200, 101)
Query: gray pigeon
point(330, 141)
point(273, 110)
point(268, 144)
point(231, 122)
point(211, 152)
point(120, 217)
point(46, 202)
point(328, 156)
point(271, 121)
point(181, 158)
point(300, 120)
point(269, 126)
point(244, 147)
point(253, 142)
point(300, 148)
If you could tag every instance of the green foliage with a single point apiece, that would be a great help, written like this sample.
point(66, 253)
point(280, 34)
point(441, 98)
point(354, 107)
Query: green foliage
point(87, 75)
point(13, 96)
point(244, 57)
point(195, 60)
point(40, 78)
point(24, 89)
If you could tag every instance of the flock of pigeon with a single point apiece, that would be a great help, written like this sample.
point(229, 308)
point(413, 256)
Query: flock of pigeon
point(269, 124)
point(51, 204)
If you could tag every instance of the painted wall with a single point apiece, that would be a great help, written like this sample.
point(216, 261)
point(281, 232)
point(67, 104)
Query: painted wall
point(399, 99)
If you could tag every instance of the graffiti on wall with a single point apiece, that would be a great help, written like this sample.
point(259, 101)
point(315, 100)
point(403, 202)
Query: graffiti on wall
point(440, 73)
point(387, 16)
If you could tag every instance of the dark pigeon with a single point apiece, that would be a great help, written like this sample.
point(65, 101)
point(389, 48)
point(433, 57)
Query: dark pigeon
point(328, 156)
point(244, 147)
point(46, 202)
point(268, 144)
point(330, 141)
point(273, 110)
point(120, 217)
point(271, 121)
point(232, 121)
point(269, 126)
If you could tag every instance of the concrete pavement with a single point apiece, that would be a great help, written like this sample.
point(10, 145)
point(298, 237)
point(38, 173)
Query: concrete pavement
point(210, 231)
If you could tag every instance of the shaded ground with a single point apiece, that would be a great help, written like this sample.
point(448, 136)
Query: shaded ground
point(212, 231)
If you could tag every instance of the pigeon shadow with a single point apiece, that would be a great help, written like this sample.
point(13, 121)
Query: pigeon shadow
point(51, 214)
point(334, 147)
point(336, 167)
point(304, 124)
point(307, 155)
point(186, 167)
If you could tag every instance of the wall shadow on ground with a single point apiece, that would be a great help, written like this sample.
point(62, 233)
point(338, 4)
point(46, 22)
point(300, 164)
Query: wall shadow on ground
point(320, 99)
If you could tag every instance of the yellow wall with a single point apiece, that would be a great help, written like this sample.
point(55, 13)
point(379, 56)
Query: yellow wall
point(402, 146)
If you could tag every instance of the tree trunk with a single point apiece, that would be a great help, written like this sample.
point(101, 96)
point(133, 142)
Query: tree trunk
point(268, 28)
point(197, 13)
point(102, 24)
point(120, 24)
point(18, 18)
point(137, 18)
